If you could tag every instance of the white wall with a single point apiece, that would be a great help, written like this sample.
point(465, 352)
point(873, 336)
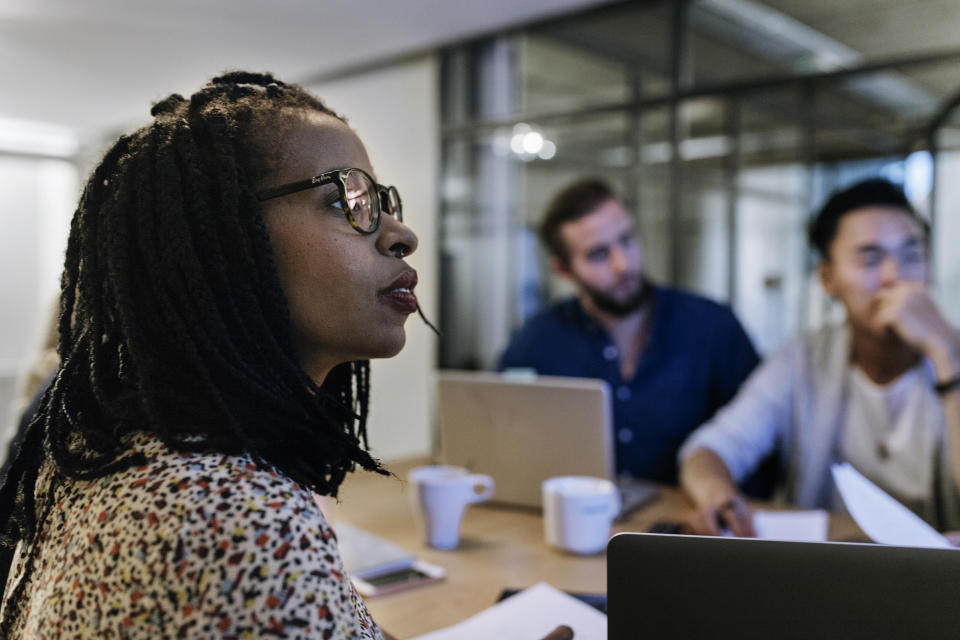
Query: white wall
point(395, 112)
point(37, 198)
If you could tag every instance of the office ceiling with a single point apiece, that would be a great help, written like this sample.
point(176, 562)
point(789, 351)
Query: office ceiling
point(737, 40)
point(95, 65)
point(880, 28)
point(744, 43)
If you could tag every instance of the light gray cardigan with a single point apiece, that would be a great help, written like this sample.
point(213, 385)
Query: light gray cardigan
point(796, 402)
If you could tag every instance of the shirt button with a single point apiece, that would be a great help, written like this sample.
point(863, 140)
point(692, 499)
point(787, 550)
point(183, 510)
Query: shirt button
point(610, 352)
point(623, 393)
point(624, 435)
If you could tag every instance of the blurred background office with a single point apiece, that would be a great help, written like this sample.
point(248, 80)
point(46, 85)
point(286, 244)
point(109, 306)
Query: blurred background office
point(723, 123)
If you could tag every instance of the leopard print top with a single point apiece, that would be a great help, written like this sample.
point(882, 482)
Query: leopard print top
point(194, 545)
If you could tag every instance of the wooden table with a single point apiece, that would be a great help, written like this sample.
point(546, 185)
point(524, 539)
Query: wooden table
point(500, 548)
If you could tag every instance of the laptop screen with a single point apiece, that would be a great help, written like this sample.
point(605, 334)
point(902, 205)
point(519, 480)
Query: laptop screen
point(523, 431)
point(670, 586)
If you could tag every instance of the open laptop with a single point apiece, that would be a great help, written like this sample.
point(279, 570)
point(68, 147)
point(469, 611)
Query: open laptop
point(523, 429)
point(670, 586)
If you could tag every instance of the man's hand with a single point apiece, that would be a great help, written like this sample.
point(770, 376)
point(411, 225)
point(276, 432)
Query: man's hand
point(953, 537)
point(563, 632)
point(907, 309)
point(716, 517)
point(719, 505)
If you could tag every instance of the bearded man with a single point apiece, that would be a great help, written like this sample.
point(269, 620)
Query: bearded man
point(671, 358)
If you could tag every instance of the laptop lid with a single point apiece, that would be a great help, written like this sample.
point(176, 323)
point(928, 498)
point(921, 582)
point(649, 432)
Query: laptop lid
point(524, 430)
point(670, 586)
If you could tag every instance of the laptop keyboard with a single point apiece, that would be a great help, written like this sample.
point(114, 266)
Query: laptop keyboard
point(634, 494)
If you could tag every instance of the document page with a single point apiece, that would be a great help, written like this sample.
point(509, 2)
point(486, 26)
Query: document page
point(881, 517)
point(528, 615)
point(792, 526)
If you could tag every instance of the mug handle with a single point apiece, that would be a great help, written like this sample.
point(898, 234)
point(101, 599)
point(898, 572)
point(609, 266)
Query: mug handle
point(486, 482)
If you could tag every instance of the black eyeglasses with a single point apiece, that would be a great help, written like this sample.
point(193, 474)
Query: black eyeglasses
point(361, 199)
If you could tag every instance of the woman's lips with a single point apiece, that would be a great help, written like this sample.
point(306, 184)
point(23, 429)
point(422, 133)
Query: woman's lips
point(401, 299)
point(399, 294)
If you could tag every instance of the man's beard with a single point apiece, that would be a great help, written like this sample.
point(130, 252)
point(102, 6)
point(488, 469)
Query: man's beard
point(619, 307)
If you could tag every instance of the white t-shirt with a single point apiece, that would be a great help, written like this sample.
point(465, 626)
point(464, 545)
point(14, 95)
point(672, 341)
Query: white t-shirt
point(889, 435)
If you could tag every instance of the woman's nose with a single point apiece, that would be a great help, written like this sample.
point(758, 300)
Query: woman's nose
point(396, 238)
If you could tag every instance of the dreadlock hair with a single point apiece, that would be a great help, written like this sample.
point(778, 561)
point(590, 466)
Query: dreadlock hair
point(172, 317)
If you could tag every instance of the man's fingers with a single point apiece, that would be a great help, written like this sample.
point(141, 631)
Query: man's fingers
point(563, 632)
point(953, 537)
point(736, 515)
point(744, 527)
point(704, 522)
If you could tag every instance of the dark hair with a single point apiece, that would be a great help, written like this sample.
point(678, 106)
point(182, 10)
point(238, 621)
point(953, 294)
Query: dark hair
point(571, 203)
point(875, 192)
point(172, 317)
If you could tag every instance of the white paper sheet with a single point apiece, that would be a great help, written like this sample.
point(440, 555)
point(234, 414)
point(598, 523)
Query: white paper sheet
point(528, 615)
point(793, 526)
point(881, 517)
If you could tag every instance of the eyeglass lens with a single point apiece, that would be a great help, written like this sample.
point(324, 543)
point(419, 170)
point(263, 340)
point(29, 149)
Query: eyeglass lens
point(392, 205)
point(367, 199)
point(360, 193)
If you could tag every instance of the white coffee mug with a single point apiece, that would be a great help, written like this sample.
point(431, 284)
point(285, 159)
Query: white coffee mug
point(578, 512)
point(440, 493)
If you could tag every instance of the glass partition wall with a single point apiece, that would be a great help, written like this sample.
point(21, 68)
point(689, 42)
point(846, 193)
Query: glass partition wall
point(722, 123)
point(944, 141)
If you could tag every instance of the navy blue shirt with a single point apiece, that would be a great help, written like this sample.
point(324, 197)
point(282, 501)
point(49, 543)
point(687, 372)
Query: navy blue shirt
point(696, 357)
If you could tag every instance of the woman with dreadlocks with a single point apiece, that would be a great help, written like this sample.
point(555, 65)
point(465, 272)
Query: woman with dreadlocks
point(231, 267)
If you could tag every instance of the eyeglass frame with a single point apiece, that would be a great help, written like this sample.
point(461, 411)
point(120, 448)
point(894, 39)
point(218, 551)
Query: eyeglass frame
point(339, 177)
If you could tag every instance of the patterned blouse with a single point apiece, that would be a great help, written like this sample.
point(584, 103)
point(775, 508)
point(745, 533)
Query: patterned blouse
point(187, 546)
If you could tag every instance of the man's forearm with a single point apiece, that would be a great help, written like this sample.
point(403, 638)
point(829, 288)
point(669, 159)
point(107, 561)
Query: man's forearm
point(946, 363)
point(951, 413)
point(719, 506)
point(706, 479)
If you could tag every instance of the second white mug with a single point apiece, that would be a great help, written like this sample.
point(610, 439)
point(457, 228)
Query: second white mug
point(578, 512)
point(440, 493)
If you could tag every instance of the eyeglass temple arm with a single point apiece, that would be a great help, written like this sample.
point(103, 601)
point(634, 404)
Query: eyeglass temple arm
point(293, 187)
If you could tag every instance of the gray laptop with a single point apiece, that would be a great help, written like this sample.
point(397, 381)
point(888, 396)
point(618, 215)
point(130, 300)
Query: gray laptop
point(524, 429)
point(669, 586)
